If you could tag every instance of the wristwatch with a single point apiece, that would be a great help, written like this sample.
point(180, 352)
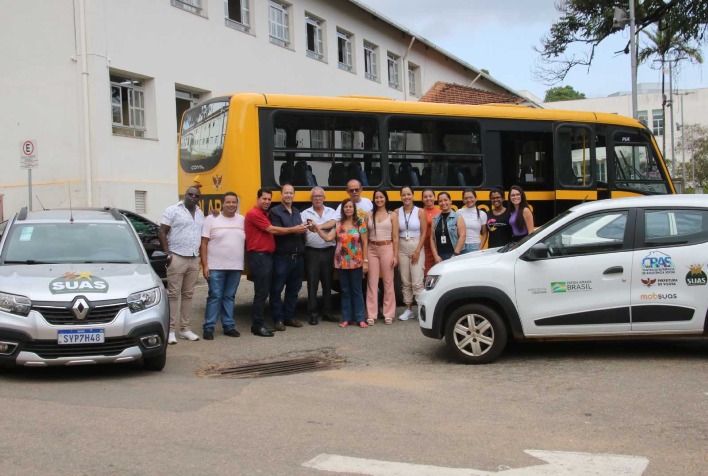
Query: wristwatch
point(366, 260)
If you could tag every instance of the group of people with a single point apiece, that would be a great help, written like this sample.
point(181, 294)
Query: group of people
point(363, 241)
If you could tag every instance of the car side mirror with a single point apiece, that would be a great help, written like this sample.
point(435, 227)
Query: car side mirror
point(537, 252)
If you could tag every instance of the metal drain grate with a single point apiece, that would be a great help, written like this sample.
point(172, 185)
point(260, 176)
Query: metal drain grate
point(278, 367)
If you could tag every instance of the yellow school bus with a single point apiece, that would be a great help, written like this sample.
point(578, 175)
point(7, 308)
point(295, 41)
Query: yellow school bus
point(246, 141)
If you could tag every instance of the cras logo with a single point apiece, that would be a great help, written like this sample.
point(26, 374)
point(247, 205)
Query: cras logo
point(696, 276)
point(657, 262)
point(72, 282)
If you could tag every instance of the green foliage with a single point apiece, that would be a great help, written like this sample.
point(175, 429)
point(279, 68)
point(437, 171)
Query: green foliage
point(588, 22)
point(695, 141)
point(563, 93)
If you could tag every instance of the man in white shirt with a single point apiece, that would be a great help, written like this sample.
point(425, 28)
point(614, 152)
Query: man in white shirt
point(180, 236)
point(363, 205)
point(222, 252)
point(319, 257)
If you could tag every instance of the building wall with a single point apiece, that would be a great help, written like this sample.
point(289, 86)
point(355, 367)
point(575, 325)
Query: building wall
point(695, 111)
point(166, 48)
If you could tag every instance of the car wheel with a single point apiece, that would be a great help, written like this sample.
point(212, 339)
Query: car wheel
point(475, 334)
point(157, 362)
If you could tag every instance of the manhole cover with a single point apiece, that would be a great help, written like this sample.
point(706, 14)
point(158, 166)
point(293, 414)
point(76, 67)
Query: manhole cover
point(285, 366)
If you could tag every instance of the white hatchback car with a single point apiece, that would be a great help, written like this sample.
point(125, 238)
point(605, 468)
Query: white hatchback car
point(630, 267)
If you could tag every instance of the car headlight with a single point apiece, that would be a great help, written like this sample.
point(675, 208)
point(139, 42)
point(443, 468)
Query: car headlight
point(143, 300)
point(15, 304)
point(430, 281)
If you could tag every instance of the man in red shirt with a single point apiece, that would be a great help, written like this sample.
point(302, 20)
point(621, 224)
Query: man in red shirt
point(260, 244)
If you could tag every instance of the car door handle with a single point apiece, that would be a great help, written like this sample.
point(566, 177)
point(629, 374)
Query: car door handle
point(614, 270)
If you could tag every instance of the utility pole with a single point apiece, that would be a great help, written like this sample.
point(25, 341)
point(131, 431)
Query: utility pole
point(633, 52)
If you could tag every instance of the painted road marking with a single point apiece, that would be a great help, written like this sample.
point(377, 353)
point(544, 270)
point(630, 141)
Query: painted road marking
point(556, 463)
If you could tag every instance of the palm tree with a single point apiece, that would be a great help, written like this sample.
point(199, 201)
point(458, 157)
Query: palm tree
point(671, 48)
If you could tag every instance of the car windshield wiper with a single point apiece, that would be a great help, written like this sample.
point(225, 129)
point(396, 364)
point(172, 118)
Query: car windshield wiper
point(106, 262)
point(28, 261)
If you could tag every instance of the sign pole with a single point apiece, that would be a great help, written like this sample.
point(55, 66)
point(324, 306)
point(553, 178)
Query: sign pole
point(29, 183)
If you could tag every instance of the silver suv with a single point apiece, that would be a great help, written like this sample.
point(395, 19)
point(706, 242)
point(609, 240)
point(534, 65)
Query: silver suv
point(76, 287)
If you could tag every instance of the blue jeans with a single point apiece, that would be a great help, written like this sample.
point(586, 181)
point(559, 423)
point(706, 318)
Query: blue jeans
point(223, 284)
point(352, 296)
point(445, 256)
point(469, 248)
point(260, 266)
point(287, 273)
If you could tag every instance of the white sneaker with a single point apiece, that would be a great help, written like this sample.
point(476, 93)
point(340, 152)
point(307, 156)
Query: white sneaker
point(406, 315)
point(189, 335)
point(171, 339)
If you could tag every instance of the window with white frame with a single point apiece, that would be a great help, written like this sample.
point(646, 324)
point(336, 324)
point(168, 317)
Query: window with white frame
point(344, 50)
point(315, 37)
point(128, 106)
point(198, 7)
point(657, 116)
point(279, 23)
point(238, 14)
point(413, 79)
point(371, 67)
point(643, 117)
point(394, 63)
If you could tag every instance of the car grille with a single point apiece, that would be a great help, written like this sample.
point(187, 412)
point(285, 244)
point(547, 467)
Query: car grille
point(64, 315)
point(51, 350)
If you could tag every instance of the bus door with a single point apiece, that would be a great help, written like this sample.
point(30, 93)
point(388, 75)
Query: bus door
point(574, 166)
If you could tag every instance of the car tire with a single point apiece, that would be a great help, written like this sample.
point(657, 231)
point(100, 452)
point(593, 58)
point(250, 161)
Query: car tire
point(155, 363)
point(475, 334)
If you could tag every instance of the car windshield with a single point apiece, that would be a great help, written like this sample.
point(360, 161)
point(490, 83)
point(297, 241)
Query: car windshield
point(38, 243)
point(513, 245)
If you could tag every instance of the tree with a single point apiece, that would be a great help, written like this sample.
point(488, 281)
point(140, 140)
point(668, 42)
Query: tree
point(588, 22)
point(563, 93)
point(694, 141)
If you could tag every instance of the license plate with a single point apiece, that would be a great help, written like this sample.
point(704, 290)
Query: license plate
point(81, 336)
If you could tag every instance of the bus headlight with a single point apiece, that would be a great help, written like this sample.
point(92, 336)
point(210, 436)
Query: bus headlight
point(143, 300)
point(15, 304)
point(430, 281)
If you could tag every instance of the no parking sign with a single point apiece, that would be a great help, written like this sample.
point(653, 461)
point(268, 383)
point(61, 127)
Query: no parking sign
point(28, 154)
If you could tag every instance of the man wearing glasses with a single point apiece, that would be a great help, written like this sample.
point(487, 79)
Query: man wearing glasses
point(363, 205)
point(319, 256)
point(180, 237)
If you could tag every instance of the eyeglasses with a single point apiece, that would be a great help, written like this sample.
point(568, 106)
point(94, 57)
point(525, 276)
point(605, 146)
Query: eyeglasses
point(318, 196)
point(354, 190)
point(195, 195)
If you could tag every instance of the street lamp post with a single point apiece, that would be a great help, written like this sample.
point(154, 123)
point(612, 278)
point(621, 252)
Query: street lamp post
point(683, 146)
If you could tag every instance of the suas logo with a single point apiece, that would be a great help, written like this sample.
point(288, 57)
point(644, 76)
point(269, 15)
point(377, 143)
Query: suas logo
point(72, 282)
point(696, 276)
point(655, 296)
point(657, 262)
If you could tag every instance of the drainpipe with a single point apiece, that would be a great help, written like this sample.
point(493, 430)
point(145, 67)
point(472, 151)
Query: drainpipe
point(405, 78)
point(86, 105)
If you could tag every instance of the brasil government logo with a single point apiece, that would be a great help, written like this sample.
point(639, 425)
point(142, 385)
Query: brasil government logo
point(570, 286)
point(72, 282)
point(696, 276)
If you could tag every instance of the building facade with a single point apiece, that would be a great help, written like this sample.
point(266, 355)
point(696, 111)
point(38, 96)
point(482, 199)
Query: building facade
point(687, 107)
point(99, 86)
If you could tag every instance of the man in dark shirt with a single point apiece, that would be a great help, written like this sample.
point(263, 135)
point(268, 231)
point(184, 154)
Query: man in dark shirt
point(261, 245)
point(288, 260)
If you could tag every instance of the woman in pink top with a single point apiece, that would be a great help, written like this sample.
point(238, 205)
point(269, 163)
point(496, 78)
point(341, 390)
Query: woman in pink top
point(383, 257)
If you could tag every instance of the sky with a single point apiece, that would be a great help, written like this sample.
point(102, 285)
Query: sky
point(499, 35)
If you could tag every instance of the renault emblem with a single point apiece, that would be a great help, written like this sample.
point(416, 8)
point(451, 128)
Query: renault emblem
point(80, 308)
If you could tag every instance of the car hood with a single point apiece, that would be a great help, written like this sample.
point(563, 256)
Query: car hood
point(61, 282)
point(469, 261)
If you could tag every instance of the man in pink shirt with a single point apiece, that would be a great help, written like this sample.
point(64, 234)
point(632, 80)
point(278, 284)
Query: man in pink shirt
point(222, 252)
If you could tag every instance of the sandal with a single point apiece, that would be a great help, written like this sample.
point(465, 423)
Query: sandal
point(370, 322)
point(363, 325)
point(388, 321)
point(344, 324)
